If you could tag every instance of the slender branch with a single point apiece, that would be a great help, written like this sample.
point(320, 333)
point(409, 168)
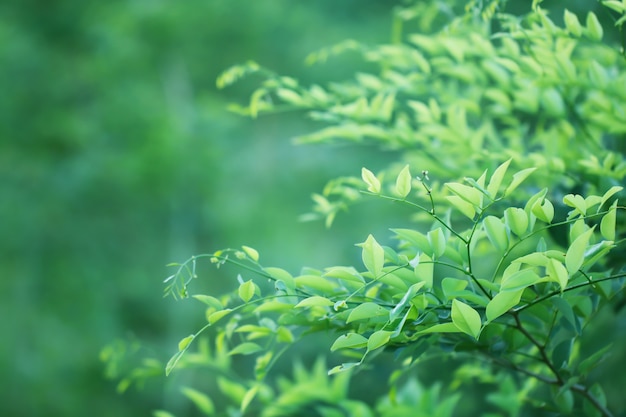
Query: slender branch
point(584, 391)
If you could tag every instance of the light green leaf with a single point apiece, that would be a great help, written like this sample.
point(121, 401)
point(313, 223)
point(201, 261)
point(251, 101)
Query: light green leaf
point(496, 179)
point(248, 397)
point(437, 240)
point(575, 255)
point(496, 232)
point(252, 253)
point(520, 280)
point(280, 274)
point(543, 210)
point(210, 301)
point(373, 183)
point(314, 301)
point(344, 273)
point(441, 328)
point(518, 178)
point(534, 259)
point(367, 310)
point(162, 413)
point(463, 206)
point(378, 339)
point(349, 341)
point(607, 225)
point(373, 255)
point(246, 348)
point(517, 220)
point(424, 270)
point(200, 400)
point(466, 318)
point(572, 24)
point(577, 202)
point(315, 282)
point(501, 303)
point(452, 286)
point(397, 310)
point(612, 191)
point(467, 193)
point(403, 182)
point(594, 28)
point(284, 335)
point(558, 273)
point(289, 96)
point(214, 317)
point(184, 343)
point(246, 290)
point(343, 367)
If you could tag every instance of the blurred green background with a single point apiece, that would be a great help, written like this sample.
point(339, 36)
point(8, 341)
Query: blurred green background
point(117, 156)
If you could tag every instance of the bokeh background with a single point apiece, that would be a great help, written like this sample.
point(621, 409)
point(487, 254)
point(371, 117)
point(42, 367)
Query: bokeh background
point(118, 156)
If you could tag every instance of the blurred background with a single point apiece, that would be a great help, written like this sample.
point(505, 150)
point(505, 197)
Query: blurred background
point(117, 157)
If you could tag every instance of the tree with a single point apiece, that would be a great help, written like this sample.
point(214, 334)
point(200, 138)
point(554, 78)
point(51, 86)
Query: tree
point(514, 126)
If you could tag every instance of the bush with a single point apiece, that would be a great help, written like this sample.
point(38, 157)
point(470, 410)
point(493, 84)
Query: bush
point(514, 126)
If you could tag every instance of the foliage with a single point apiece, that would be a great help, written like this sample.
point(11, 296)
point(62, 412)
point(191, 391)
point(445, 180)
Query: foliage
point(516, 126)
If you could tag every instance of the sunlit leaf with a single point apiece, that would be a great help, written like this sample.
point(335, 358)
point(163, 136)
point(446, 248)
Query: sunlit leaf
point(501, 303)
point(200, 400)
point(496, 232)
point(607, 225)
point(496, 179)
point(246, 290)
point(373, 255)
point(367, 310)
point(373, 183)
point(466, 318)
point(252, 253)
point(403, 182)
point(314, 301)
point(518, 178)
point(575, 255)
point(349, 341)
point(378, 339)
point(245, 348)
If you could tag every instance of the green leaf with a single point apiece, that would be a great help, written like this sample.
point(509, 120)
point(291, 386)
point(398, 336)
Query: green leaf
point(162, 413)
point(517, 220)
point(518, 178)
point(520, 280)
point(280, 274)
point(200, 400)
point(594, 28)
point(577, 202)
point(397, 310)
point(248, 397)
point(543, 210)
point(607, 225)
point(437, 240)
point(612, 191)
point(252, 253)
point(496, 232)
point(349, 341)
point(424, 270)
point(572, 24)
point(246, 348)
point(210, 301)
point(215, 317)
point(467, 193)
point(403, 182)
point(246, 290)
point(343, 367)
point(373, 183)
point(595, 359)
point(575, 255)
point(184, 343)
point(315, 282)
point(463, 206)
point(344, 273)
point(466, 318)
point(378, 339)
point(367, 310)
point(316, 300)
point(558, 273)
point(373, 256)
point(452, 286)
point(441, 328)
point(502, 303)
point(496, 179)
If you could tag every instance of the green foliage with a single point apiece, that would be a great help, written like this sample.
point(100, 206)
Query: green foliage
point(515, 124)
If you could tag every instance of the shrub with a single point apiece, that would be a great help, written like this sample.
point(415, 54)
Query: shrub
point(514, 126)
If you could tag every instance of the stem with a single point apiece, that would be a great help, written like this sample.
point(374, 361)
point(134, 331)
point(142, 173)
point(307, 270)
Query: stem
point(584, 391)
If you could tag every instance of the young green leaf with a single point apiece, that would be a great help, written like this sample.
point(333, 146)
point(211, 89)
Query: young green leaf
point(200, 400)
point(496, 179)
point(501, 303)
point(373, 255)
point(496, 232)
point(316, 300)
point(367, 310)
point(577, 202)
point(343, 367)
point(543, 210)
point(572, 24)
point(252, 253)
point(463, 206)
point(246, 348)
point(378, 339)
point(403, 182)
point(246, 290)
point(210, 301)
point(518, 178)
point(248, 397)
point(466, 318)
point(610, 193)
point(594, 28)
point(517, 220)
point(558, 273)
point(607, 225)
point(520, 280)
point(575, 255)
point(214, 317)
point(467, 193)
point(373, 183)
point(184, 343)
point(349, 341)
point(437, 240)
point(424, 270)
